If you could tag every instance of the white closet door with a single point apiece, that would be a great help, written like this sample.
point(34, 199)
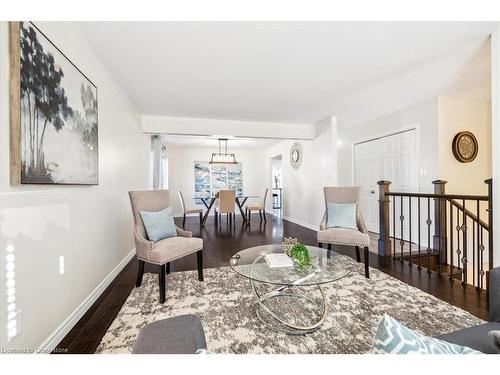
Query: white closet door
point(367, 173)
point(391, 158)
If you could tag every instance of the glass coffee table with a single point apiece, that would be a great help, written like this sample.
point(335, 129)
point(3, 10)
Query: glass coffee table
point(288, 304)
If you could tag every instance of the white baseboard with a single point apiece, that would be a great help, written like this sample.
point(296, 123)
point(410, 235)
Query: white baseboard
point(301, 223)
point(55, 338)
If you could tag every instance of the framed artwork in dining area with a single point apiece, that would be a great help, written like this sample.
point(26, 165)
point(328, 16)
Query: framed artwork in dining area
point(209, 179)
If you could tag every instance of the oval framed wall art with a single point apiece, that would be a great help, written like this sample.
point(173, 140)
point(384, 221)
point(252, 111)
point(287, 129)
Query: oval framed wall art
point(465, 147)
point(296, 155)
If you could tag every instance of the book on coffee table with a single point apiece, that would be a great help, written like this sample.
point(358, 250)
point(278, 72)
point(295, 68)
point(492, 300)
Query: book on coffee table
point(278, 260)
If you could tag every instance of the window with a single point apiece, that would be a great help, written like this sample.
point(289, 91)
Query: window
point(209, 179)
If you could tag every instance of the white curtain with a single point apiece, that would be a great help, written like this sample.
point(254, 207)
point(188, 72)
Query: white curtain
point(160, 163)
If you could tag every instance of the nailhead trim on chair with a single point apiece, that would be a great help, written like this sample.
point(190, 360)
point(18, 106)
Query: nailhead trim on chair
point(172, 259)
point(344, 243)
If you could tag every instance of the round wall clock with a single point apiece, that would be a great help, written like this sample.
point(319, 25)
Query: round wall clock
point(465, 147)
point(296, 155)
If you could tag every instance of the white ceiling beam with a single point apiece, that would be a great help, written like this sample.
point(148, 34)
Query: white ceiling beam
point(210, 127)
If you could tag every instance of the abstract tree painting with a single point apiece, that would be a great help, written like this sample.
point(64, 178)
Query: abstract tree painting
point(58, 115)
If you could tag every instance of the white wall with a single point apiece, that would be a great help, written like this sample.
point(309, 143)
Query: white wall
point(423, 116)
point(90, 226)
point(455, 115)
point(303, 188)
point(181, 172)
point(495, 139)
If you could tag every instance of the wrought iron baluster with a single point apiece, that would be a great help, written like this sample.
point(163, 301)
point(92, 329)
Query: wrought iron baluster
point(464, 232)
point(409, 214)
point(481, 248)
point(401, 231)
point(473, 249)
point(459, 252)
point(418, 222)
point(429, 223)
point(451, 240)
point(394, 227)
point(478, 245)
point(444, 253)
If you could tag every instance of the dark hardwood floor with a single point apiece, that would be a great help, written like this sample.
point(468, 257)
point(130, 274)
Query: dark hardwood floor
point(220, 245)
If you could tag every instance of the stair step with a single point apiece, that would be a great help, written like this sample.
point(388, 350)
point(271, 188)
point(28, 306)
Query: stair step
point(456, 272)
point(414, 254)
point(433, 266)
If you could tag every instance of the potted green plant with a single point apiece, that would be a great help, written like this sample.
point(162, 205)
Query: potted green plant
point(301, 256)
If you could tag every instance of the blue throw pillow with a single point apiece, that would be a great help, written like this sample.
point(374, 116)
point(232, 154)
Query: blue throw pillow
point(394, 338)
point(341, 215)
point(159, 224)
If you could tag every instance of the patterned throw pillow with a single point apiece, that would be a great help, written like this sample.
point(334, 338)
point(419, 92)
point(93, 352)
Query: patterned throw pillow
point(394, 338)
point(159, 224)
point(204, 351)
point(341, 215)
point(495, 338)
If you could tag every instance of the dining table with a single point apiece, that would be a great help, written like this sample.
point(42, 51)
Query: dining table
point(209, 200)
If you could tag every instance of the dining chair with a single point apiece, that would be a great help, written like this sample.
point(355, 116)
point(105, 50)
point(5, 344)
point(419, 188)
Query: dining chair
point(344, 236)
point(261, 207)
point(188, 211)
point(226, 205)
point(164, 251)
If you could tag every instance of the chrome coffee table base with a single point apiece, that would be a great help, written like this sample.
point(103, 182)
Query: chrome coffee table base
point(277, 320)
point(292, 307)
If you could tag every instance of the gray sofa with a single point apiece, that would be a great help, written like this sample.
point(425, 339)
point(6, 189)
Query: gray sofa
point(477, 337)
point(181, 334)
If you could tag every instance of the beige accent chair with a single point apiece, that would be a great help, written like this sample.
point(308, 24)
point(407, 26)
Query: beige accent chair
point(164, 251)
point(343, 236)
point(226, 203)
point(261, 207)
point(188, 211)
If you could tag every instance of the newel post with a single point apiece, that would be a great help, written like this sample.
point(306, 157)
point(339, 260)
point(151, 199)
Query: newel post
point(490, 222)
point(440, 238)
point(384, 240)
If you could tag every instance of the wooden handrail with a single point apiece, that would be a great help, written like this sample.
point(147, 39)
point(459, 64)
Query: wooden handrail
point(442, 196)
point(471, 215)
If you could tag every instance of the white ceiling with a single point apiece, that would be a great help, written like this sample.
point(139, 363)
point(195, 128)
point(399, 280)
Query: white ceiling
point(297, 72)
point(213, 144)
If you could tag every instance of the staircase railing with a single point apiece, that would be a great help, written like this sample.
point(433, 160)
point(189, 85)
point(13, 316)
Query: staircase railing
point(469, 214)
point(450, 234)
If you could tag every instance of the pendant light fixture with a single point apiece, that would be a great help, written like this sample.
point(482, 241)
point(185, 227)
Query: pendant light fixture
point(223, 157)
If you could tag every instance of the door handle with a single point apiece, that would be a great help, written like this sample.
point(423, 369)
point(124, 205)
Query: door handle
point(372, 191)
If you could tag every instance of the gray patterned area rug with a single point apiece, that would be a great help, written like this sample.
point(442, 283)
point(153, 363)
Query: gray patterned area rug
point(225, 304)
